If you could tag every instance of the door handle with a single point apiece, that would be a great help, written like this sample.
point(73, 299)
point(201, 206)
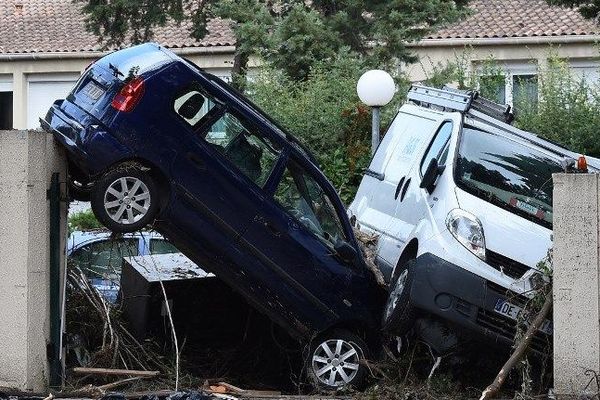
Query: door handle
point(197, 161)
point(405, 189)
point(398, 188)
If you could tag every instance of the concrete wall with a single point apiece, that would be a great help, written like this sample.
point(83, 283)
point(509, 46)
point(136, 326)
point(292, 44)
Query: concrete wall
point(576, 282)
point(27, 161)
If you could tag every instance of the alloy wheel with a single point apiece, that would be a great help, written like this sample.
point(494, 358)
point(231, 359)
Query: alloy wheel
point(393, 298)
point(335, 362)
point(127, 200)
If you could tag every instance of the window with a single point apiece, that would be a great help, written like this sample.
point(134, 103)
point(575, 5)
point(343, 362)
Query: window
point(493, 87)
point(162, 246)
point(192, 106)
point(437, 148)
point(6, 110)
point(302, 197)
point(245, 146)
point(103, 259)
point(507, 173)
point(525, 89)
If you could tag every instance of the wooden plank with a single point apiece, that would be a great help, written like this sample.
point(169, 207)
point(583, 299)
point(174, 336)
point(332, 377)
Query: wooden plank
point(117, 372)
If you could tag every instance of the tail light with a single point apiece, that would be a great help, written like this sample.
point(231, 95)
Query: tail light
point(582, 164)
point(129, 95)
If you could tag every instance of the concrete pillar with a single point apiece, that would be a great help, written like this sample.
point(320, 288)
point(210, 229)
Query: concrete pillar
point(27, 161)
point(576, 283)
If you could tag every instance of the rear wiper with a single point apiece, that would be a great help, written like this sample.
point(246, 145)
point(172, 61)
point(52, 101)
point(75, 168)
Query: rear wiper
point(115, 70)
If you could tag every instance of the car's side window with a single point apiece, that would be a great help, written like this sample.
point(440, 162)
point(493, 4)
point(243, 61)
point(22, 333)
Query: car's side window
point(103, 259)
point(161, 246)
point(301, 196)
point(245, 146)
point(438, 147)
point(192, 106)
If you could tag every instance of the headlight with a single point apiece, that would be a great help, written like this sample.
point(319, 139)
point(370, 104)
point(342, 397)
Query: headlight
point(467, 229)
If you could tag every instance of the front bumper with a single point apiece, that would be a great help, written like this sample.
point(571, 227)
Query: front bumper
point(466, 300)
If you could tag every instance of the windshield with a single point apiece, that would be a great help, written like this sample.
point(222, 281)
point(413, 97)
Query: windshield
point(507, 173)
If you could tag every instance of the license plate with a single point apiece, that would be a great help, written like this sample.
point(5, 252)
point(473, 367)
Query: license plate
point(512, 311)
point(93, 91)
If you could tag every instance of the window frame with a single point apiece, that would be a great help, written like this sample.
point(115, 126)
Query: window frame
point(196, 86)
point(446, 144)
point(310, 172)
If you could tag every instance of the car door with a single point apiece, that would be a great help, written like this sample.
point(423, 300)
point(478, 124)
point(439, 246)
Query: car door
point(220, 170)
point(295, 236)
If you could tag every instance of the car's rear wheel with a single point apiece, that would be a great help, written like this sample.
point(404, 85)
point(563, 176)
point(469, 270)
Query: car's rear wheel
point(399, 314)
point(125, 199)
point(337, 361)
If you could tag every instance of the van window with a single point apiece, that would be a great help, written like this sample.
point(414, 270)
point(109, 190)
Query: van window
point(245, 146)
point(438, 147)
point(507, 173)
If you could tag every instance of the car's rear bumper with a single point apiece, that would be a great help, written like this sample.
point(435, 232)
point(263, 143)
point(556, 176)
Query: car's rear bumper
point(466, 300)
point(86, 140)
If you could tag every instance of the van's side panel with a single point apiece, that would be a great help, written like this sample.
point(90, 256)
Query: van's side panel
point(375, 202)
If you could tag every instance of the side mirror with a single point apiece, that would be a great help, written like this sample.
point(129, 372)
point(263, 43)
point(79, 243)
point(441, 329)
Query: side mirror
point(431, 175)
point(345, 251)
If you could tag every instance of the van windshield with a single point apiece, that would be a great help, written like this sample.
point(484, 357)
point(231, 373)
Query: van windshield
point(507, 173)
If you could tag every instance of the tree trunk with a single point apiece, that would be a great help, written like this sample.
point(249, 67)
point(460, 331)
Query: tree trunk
point(238, 72)
point(519, 351)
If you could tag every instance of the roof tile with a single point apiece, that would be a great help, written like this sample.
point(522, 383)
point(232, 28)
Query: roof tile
point(517, 18)
point(36, 26)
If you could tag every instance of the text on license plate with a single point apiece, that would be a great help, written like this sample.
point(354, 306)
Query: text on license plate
point(512, 311)
point(93, 91)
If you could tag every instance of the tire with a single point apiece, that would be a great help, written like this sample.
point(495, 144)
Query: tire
point(116, 207)
point(399, 314)
point(80, 192)
point(331, 373)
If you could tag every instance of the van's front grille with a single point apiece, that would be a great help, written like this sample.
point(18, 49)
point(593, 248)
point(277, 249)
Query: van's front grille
point(513, 297)
point(511, 268)
point(507, 328)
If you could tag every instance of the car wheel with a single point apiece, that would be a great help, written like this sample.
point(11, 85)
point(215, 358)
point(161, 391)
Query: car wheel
point(336, 361)
point(125, 199)
point(399, 313)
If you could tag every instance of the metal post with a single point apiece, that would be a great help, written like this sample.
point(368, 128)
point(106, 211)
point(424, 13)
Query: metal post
point(375, 130)
point(55, 312)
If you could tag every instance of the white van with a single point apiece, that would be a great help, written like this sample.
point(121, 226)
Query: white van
point(462, 204)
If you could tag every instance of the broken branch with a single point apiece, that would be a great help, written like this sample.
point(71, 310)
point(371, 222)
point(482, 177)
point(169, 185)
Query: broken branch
point(519, 351)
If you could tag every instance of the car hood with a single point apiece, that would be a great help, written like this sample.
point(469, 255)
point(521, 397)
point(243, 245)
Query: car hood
point(506, 233)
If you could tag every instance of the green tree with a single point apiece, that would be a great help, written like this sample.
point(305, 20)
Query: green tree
point(587, 8)
point(289, 34)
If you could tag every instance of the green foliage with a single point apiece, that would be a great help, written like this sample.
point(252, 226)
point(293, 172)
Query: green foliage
point(567, 110)
point(83, 221)
point(324, 112)
point(290, 35)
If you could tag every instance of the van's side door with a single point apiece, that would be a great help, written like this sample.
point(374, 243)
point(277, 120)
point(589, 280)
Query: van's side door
point(413, 203)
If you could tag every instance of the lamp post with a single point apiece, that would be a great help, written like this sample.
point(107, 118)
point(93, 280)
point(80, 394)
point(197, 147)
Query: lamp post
point(375, 89)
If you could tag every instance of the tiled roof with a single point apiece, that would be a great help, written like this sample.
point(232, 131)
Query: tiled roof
point(38, 26)
point(517, 18)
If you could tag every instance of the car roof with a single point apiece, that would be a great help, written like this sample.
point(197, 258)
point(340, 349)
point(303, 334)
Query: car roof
point(78, 238)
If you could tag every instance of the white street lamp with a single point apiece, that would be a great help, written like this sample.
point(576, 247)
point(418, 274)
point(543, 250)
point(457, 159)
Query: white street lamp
point(376, 89)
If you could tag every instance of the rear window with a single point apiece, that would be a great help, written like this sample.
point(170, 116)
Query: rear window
point(135, 60)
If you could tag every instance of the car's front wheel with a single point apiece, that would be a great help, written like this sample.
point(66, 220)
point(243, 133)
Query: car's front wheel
point(399, 313)
point(125, 199)
point(337, 361)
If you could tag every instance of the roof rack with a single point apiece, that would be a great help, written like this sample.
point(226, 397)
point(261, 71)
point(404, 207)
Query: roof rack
point(464, 101)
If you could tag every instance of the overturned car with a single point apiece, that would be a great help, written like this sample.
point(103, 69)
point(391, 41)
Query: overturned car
point(153, 139)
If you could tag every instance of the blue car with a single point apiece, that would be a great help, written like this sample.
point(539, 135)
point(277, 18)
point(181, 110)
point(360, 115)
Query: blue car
point(157, 141)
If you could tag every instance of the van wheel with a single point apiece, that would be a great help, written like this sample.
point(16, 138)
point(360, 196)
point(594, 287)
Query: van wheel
point(336, 361)
point(399, 314)
point(125, 199)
